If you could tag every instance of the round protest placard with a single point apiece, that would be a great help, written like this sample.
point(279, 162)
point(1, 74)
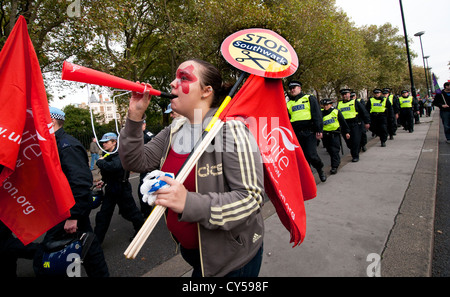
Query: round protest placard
point(261, 52)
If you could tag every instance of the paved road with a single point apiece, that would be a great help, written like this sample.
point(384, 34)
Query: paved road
point(159, 247)
point(441, 258)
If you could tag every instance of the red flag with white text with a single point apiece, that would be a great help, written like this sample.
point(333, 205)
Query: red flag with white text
point(34, 192)
point(288, 181)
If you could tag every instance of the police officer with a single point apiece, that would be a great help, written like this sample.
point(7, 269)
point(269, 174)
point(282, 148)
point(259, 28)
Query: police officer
point(392, 129)
point(408, 106)
point(381, 115)
point(364, 127)
point(117, 190)
point(11, 249)
point(358, 120)
point(306, 119)
point(75, 165)
point(333, 125)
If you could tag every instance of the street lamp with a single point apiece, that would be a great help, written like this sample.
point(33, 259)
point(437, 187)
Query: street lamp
point(413, 88)
point(429, 75)
point(419, 34)
point(430, 80)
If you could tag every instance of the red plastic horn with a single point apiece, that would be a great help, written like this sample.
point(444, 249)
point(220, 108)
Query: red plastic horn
point(82, 74)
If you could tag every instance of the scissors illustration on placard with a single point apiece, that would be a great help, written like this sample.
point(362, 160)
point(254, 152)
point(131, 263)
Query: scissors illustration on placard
point(247, 53)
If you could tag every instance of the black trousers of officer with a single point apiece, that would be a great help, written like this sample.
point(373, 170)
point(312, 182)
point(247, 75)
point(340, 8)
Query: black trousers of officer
point(379, 125)
point(308, 142)
point(11, 249)
point(354, 143)
point(407, 118)
point(117, 194)
point(363, 135)
point(332, 142)
point(392, 129)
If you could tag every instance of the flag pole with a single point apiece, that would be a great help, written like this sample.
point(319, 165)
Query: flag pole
point(208, 134)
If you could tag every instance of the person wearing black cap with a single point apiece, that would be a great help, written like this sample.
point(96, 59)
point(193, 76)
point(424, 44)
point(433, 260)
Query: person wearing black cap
point(408, 106)
point(381, 115)
point(392, 129)
point(333, 125)
point(353, 97)
point(358, 120)
point(364, 127)
point(306, 119)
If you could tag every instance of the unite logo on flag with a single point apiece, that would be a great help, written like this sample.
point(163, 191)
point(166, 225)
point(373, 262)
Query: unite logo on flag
point(34, 192)
point(274, 144)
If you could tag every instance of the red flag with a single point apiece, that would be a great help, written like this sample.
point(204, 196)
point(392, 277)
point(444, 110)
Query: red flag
point(34, 192)
point(261, 104)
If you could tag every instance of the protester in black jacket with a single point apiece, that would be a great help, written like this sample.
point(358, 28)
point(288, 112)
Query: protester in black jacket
point(443, 102)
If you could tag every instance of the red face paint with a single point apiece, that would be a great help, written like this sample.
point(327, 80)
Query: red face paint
point(186, 77)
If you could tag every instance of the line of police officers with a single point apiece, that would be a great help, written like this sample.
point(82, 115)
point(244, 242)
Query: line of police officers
point(351, 118)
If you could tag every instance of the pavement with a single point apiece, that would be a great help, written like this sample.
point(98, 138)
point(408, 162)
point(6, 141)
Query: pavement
point(373, 218)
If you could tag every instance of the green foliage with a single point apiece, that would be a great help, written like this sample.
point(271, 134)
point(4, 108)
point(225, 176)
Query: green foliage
point(144, 40)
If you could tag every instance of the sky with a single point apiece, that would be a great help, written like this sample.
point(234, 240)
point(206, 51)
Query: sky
point(430, 16)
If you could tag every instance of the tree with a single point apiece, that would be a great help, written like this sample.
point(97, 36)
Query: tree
point(144, 40)
point(330, 48)
point(389, 52)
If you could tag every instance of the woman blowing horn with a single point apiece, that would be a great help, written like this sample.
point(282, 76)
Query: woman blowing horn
point(215, 215)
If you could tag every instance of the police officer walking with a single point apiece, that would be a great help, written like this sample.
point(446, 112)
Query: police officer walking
point(117, 191)
point(392, 129)
point(381, 115)
point(364, 127)
point(306, 119)
point(333, 125)
point(408, 106)
point(75, 165)
point(357, 119)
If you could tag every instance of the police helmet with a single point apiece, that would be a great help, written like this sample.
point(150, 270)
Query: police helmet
point(56, 113)
point(294, 83)
point(326, 101)
point(56, 255)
